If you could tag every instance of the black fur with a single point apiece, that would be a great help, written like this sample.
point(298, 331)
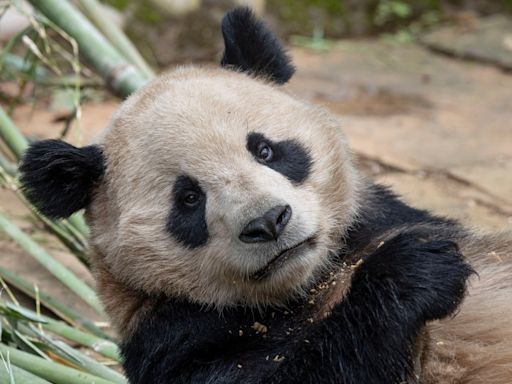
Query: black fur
point(59, 178)
point(290, 158)
point(251, 47)
point(370, 337)
point(188, 223)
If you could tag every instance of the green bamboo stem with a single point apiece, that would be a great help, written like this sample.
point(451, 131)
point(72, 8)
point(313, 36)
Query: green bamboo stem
point(65, 232)
point(83, 362)
point(63, 274)
point(8, 166)
point(62, 311)
point(120, 75)
point(20, 375)
point(17, 144)
point(116, 36)
point(16, 66)
point(11, 135)
point(62, 232)
point(49, 370)
point(72, 356)
point(77, 221)
point(104, 347)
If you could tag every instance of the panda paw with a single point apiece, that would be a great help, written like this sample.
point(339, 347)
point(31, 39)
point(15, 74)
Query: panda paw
point(426, 278)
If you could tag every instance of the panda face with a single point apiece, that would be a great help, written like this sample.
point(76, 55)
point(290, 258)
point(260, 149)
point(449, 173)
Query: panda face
point(221, 189)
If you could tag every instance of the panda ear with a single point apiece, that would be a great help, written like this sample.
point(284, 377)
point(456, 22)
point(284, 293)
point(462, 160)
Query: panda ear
point(59, 178)
point(251, 47)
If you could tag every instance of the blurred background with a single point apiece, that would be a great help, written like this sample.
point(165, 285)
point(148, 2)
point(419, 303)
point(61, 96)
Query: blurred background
point(423, 89)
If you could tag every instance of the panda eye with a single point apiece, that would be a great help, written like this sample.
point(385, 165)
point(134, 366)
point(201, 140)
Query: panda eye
point(191, 199)
point(264, 152)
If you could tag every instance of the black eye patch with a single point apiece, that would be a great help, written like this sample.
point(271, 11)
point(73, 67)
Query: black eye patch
point(187, 222)
point(289, 157)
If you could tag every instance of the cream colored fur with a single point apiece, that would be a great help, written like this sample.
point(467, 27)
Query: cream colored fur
point(195, 121)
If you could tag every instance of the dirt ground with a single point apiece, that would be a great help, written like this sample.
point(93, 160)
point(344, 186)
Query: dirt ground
point(436, 129)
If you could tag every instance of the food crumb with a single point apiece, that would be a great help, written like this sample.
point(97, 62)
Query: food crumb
point(260, 328)
point(278, 358)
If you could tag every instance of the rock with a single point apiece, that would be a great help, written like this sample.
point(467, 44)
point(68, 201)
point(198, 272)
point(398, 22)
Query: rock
point(486, 40)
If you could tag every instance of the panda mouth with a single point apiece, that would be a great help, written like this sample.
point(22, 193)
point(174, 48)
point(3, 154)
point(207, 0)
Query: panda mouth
point(282, 257)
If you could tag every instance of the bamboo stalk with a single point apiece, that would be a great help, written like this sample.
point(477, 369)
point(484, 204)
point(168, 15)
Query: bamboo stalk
point(19, 375)
point(72, 356)
point(17, 143)
point(72, 238)
point(16, 65)
point(9, 167)
point(78, 222)
point(63, 274)
point(11, 135)
point(119, 74)
point(104, 347)
point(62, 311)
point(49, 370)
point(116, 36)
point(61, 231)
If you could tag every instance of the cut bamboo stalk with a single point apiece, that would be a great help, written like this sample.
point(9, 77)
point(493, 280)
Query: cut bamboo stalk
point(120, 75)
point(62, 311)
point(63, 274)
point(49, 370)
point(116, 36)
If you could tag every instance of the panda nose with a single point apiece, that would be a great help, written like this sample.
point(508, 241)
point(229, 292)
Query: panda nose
point(267, 227)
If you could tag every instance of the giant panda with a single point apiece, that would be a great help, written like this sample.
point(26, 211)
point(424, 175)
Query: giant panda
point(234, 241)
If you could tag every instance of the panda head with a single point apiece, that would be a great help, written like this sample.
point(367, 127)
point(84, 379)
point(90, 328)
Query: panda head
point(212, 185)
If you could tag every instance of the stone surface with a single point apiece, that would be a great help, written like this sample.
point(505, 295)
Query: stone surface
point(407, 108)
point(447, 198)
point(486, 40)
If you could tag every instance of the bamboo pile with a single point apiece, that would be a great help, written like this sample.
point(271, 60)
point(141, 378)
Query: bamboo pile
point(66, 347)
